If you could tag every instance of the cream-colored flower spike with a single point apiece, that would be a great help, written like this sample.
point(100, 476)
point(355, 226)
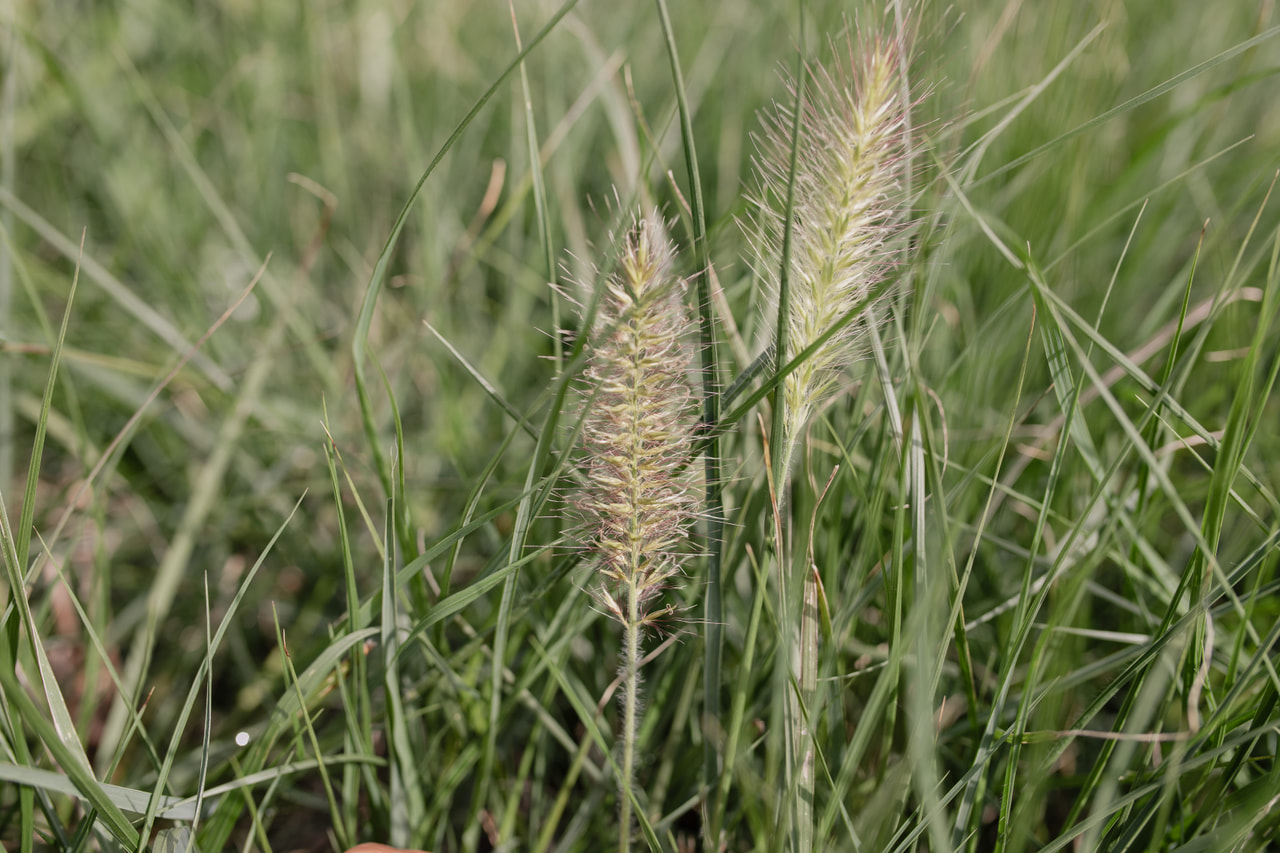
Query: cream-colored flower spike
point(848, 204)
point(639, 425)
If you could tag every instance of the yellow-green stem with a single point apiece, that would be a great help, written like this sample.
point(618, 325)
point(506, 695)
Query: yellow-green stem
point(630, 710)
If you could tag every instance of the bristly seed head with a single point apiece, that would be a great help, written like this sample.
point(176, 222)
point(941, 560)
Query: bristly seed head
point(848, 204)
point(639, 427)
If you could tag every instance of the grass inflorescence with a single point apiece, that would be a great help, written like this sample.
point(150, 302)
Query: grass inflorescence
point(639, 428)
point(848, 199)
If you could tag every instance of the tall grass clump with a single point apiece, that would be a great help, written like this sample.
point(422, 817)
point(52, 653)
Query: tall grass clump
point(637, 435)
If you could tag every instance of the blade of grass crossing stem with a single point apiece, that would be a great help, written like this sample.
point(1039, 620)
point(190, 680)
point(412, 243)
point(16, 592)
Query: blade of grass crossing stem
point(405, 797)
point(775, 377)
point(713, 616)
point(70, 761)
point(540, 199)
point(360, 340)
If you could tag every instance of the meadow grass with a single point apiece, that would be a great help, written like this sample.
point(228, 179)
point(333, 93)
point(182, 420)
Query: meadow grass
point(299, 308)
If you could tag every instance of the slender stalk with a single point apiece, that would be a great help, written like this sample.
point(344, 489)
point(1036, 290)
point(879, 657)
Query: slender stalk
point(713, 614)
point(630, 712)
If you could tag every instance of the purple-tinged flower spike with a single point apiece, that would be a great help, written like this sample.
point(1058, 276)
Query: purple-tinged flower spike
point(846, 204)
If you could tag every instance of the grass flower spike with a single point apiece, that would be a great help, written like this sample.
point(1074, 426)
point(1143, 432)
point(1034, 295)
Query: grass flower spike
point(847, 204)
point(638, 431)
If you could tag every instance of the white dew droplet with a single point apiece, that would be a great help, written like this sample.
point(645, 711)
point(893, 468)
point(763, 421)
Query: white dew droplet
point(242, 738)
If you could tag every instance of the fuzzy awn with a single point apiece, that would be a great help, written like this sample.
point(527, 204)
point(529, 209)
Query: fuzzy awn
point(638, 433)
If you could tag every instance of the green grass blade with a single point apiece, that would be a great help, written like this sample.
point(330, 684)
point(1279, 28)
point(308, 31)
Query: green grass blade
point(713, 609)
point(71, 761)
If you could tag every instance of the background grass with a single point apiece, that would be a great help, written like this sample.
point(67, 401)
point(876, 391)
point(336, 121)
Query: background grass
point(1050, 610)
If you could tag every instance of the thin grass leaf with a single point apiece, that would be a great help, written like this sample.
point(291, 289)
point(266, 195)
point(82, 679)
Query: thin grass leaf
point(16, 552)
point(540, 199)
point(127, 799)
